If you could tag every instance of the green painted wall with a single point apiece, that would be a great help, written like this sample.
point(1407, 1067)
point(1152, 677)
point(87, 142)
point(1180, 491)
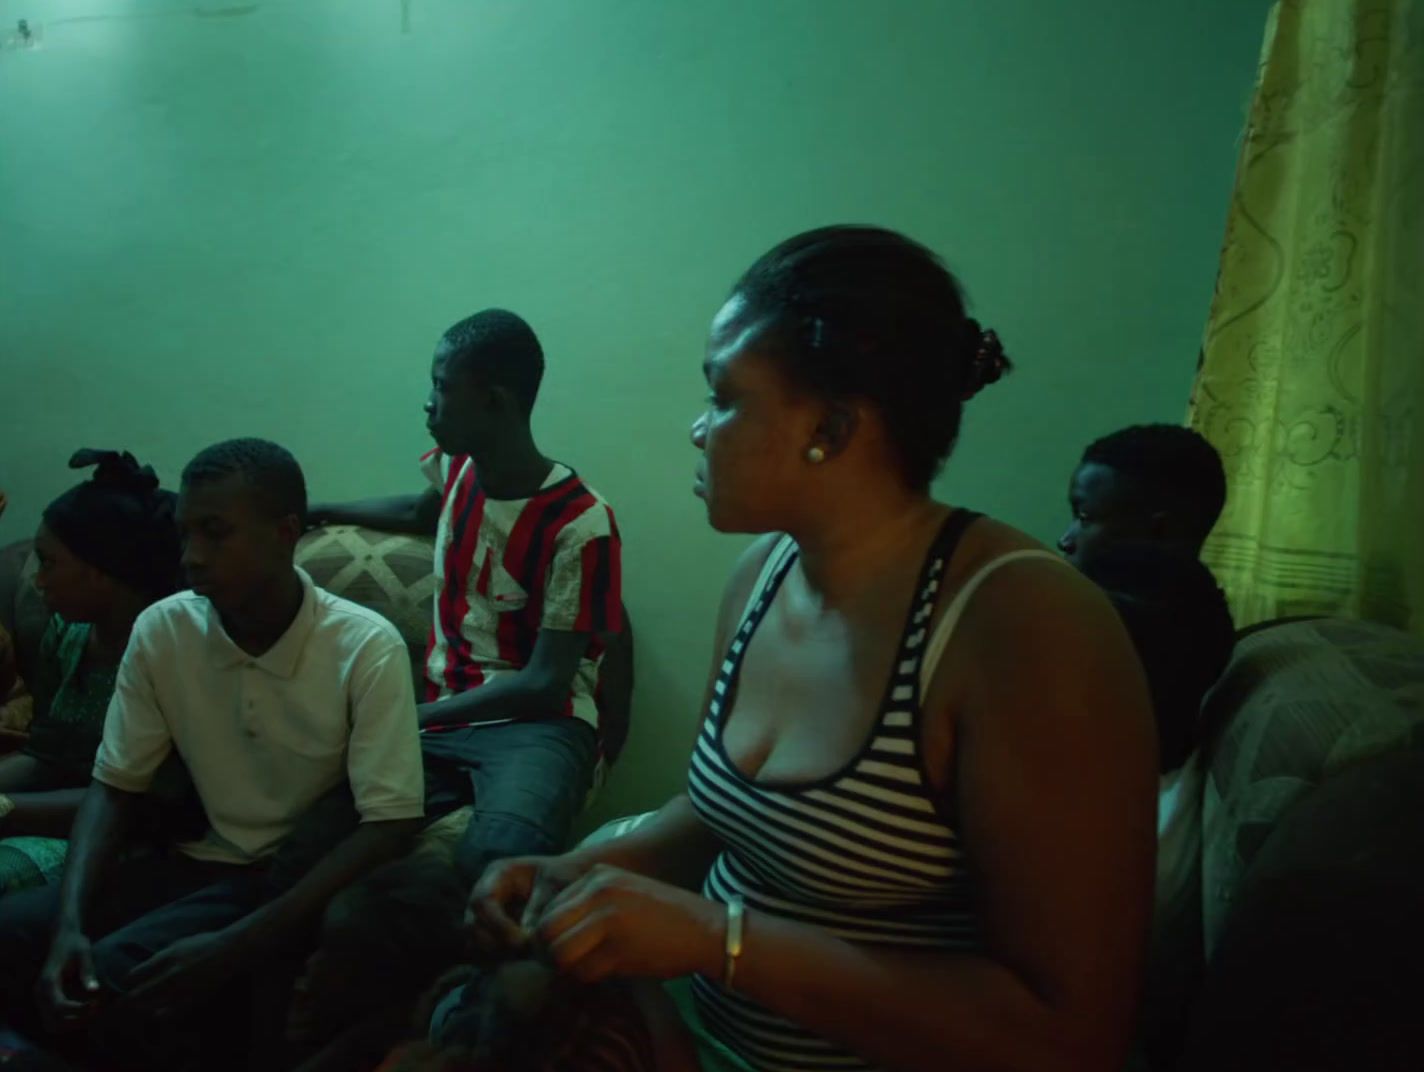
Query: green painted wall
point(256, 220)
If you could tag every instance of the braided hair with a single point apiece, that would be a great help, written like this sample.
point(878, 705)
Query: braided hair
point(864, 312)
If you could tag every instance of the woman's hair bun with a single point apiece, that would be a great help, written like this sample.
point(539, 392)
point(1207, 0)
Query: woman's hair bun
point(987, 362)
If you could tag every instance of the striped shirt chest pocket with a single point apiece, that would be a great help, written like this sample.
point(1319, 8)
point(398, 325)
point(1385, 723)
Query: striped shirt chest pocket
point(506, 593)
point(493, 584)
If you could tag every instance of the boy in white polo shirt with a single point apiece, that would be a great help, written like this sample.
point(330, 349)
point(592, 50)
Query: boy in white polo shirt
point(276, 695)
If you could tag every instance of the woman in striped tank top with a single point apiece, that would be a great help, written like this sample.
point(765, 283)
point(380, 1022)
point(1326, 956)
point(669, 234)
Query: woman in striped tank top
point(919, 825)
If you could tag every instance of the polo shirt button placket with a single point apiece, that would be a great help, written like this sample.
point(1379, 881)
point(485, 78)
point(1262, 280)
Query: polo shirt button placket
point(248, 726)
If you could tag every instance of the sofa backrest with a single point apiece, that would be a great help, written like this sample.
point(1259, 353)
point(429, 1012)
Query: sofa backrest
point(1298, 703)
point(394, 575)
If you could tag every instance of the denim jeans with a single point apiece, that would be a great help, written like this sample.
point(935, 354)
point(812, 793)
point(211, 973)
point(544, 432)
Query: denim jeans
point(144, 905)
point(526, 780)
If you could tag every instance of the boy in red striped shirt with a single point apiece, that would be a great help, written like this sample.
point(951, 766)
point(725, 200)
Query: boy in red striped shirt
point(528, 571)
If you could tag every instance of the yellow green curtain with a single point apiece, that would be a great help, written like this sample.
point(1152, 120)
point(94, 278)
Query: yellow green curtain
point(1312, 377)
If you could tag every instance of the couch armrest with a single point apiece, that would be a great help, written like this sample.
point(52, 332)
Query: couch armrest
point(1314, 965)
point(12, 566)
point(22, 609)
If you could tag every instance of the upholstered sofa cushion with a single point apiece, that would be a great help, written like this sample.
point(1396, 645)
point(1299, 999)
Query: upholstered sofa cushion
point(1317, 967)
point(392, 574)
point(389, 573)
point(1298, 703)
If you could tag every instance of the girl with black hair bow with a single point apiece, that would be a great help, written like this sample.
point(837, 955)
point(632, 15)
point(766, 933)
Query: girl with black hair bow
point(107, 548)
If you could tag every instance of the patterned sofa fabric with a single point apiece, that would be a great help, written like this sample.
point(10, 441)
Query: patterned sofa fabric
point(1298, 703)
point(1316, 968)
point(391, 574)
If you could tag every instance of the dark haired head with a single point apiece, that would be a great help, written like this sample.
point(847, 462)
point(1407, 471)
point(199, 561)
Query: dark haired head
point(241, 510)
point(269, 471)
point(384, 940)
point(1161, 483)
point(865, 313)
point(1172, 463)
point(120, 522)
point(501, 349)
point(522, 1016)
point(403, 917)
point(1181, 627)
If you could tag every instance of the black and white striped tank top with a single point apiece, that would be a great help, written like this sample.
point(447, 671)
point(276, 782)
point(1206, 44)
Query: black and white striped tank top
point(866, 853)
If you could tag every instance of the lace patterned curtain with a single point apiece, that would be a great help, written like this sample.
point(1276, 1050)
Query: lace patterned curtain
point(1312, 377)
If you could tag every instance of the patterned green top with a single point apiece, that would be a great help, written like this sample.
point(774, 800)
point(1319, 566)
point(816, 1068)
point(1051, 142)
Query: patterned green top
point(71, 700)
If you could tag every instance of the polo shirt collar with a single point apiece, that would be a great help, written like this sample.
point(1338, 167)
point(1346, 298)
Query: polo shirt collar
point(281, 659)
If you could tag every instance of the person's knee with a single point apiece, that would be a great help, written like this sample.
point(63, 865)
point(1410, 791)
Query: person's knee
point(525, 805)
point(495, 836)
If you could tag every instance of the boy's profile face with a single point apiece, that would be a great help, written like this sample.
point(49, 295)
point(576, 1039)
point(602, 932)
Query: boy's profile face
point(459, 412)
point(1107, 510)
